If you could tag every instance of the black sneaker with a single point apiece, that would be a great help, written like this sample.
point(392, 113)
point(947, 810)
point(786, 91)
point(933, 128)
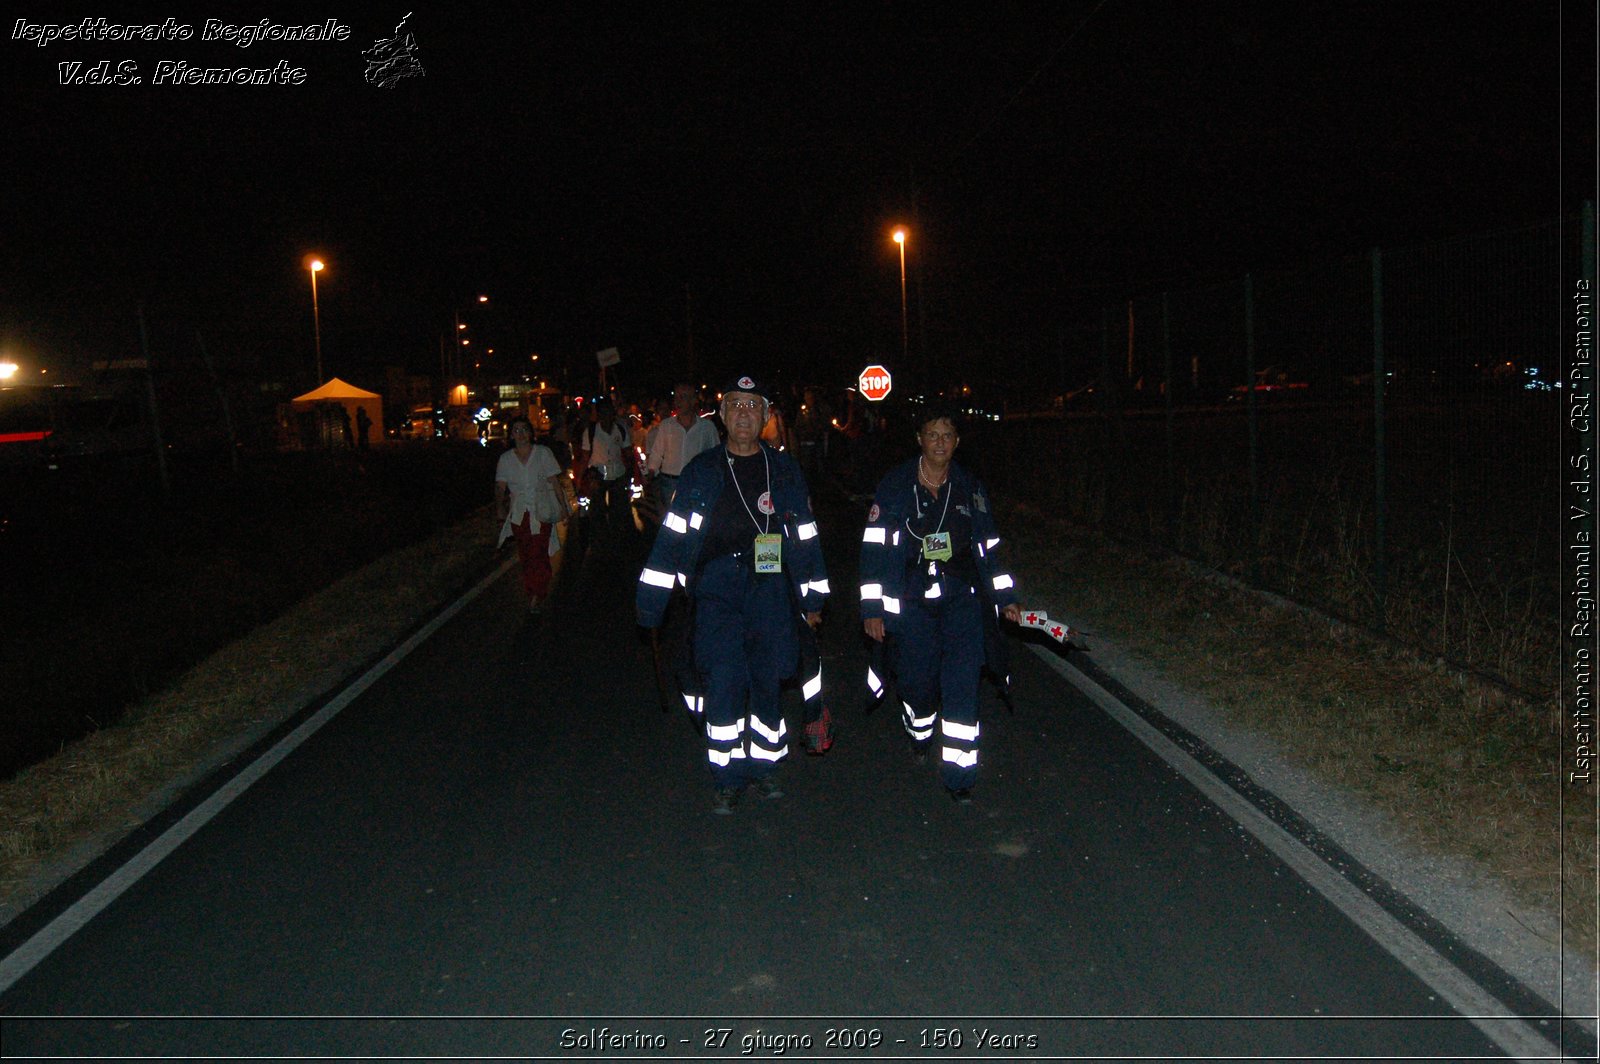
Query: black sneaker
point(724, 801)
point(768, 786)
point(961, 795)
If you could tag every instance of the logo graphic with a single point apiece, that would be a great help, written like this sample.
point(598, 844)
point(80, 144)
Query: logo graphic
point(746, 382)
point(764, 504)
point(872, 514)
point(389, 60)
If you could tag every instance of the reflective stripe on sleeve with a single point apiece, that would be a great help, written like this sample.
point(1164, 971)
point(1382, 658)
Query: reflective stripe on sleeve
point(807, 531)
point(871, 591)
point(1003, 582)
point(991, 544)
point(963, 758)
point(812, 687)
point(891, 604)
point(874, 534)
point(819, 586)
point(874, 684)
point(656, 578)
point(695, 520)
point(675, 523)
point(932, 592)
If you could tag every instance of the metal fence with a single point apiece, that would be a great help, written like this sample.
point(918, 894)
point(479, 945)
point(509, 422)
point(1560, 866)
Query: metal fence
point(1378, 437)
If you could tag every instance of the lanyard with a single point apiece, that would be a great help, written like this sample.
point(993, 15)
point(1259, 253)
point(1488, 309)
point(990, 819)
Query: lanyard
point(916, 501)
point(760, 527)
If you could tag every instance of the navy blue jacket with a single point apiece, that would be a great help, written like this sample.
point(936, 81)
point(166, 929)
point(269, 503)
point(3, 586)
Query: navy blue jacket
point(676, 554)
point(888, 551)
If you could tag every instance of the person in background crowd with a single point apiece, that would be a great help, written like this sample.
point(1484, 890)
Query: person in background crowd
point(677, 440)
point(929, 568)
point(810, 429)
point(530, 496)
point(741, 537)
point(775, 433)
point(605, 446)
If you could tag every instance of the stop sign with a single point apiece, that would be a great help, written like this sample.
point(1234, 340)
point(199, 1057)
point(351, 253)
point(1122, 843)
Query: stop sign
point(875, 383)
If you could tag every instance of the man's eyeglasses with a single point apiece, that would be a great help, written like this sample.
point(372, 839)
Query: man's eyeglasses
point(743, 404)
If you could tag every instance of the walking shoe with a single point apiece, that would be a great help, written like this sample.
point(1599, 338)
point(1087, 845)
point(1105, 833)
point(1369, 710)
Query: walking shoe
point(723, 802)
point(961, 795)
point(768, 786)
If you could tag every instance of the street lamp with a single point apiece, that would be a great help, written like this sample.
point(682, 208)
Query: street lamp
point(461, 341)
point(905, 343)
point(315, 266)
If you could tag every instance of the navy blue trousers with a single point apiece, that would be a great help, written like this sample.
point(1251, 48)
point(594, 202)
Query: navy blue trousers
point(939, 660)
point(745, 646)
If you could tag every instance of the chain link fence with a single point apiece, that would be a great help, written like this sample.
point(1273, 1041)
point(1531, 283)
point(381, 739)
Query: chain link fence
point(1377, 437)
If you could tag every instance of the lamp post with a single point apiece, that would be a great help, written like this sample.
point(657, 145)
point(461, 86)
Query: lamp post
point(315, 266)
point(905, 343)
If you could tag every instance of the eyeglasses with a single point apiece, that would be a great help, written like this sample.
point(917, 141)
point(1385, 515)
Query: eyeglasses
point(938, 437)
point(743, 404)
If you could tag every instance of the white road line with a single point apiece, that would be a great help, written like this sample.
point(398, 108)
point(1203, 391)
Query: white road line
point(25, 957)
point(1513, 1036)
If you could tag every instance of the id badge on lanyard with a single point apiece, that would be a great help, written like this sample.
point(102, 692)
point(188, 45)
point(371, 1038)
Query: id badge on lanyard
point(936, 547)
point(769, 553)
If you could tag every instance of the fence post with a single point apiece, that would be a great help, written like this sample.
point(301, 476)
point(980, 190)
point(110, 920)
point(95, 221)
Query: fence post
point(1166, 390)
point(155, 412)
point(1250, 407)
point(1380, 504)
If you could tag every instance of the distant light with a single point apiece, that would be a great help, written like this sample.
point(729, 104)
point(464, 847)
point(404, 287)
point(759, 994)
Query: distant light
point(316, 265)
point(8, 370)
point(899, 236)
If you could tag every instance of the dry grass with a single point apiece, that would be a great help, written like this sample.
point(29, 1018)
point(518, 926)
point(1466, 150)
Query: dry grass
point(99, 788)
point(1463, 768)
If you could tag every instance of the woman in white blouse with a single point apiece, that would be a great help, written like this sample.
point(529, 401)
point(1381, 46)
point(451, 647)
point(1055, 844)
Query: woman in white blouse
point(529, 498)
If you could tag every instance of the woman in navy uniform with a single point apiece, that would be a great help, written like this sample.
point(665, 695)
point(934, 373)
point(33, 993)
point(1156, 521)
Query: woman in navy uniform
point(741, 538)
point(929, 569)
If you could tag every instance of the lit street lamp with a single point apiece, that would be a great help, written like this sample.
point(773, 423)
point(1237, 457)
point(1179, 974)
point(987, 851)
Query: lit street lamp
point(905, 343)
point(315, 266)
point(462, 341)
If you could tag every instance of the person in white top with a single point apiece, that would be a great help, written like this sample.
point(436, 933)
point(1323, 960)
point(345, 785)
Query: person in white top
point(606, 444)
point(675, 441)
point(529, 497)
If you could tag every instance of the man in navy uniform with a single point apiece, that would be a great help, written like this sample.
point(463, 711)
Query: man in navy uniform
point(741, 538)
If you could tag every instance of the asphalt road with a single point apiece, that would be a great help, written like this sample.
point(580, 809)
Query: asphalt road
point(504, 848)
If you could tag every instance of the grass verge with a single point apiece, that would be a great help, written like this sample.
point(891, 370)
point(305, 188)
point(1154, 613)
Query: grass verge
point(1461, 768)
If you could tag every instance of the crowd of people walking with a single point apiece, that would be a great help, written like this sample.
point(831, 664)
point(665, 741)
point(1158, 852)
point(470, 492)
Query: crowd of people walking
point(737, 557)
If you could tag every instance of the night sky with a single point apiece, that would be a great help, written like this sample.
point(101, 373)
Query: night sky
point(608, 173)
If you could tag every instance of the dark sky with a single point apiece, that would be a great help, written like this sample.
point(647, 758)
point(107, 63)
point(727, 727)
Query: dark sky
point(588, 164)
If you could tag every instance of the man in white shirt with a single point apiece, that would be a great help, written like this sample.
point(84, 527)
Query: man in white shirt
point(677, 440)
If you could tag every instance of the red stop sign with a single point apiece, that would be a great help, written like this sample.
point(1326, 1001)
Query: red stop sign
point(875, 383)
